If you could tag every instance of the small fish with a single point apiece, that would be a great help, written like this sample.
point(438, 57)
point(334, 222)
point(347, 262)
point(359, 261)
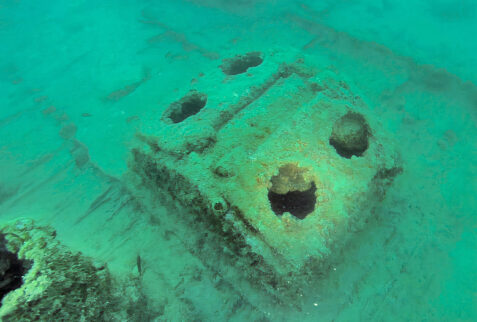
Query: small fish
point(132, 118)
point(49, 110)
point(139, 264)
point(41, 99)
point(128, 89)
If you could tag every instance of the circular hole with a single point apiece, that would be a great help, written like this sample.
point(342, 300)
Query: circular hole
point(241, 63)
point(291, 192)
point(219, 206)
point(350, 135)
point(187, 106)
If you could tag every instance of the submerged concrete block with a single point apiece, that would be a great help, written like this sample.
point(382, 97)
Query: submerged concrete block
point(285, 164)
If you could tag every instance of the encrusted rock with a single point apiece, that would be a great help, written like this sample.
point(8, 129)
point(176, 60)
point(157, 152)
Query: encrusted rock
point(55, 284)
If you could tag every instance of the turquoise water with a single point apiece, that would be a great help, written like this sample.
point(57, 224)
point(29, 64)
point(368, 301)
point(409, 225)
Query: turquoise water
point(79, 79)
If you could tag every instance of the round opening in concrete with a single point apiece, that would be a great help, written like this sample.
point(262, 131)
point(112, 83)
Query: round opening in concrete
point(292, 192)
point(350, 135)
point(241, 63)
point(12, 269)
point(187, 106)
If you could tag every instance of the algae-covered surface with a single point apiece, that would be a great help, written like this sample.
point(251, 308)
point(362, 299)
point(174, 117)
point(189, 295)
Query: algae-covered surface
point(209, 160)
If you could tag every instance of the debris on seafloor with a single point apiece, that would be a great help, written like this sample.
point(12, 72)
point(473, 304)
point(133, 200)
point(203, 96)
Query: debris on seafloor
point(43, 279)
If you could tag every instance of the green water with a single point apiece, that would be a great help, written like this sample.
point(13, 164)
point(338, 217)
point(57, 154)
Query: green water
point(80, 78)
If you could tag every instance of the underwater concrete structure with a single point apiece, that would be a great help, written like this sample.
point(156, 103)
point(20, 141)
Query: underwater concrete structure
point(282, 159)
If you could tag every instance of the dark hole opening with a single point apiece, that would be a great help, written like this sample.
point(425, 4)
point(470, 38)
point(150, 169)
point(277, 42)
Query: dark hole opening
point(241, 63)
point(346, 152)
point(350, 135)
point(12, 270)
point(298, 203)
point(188, 106)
